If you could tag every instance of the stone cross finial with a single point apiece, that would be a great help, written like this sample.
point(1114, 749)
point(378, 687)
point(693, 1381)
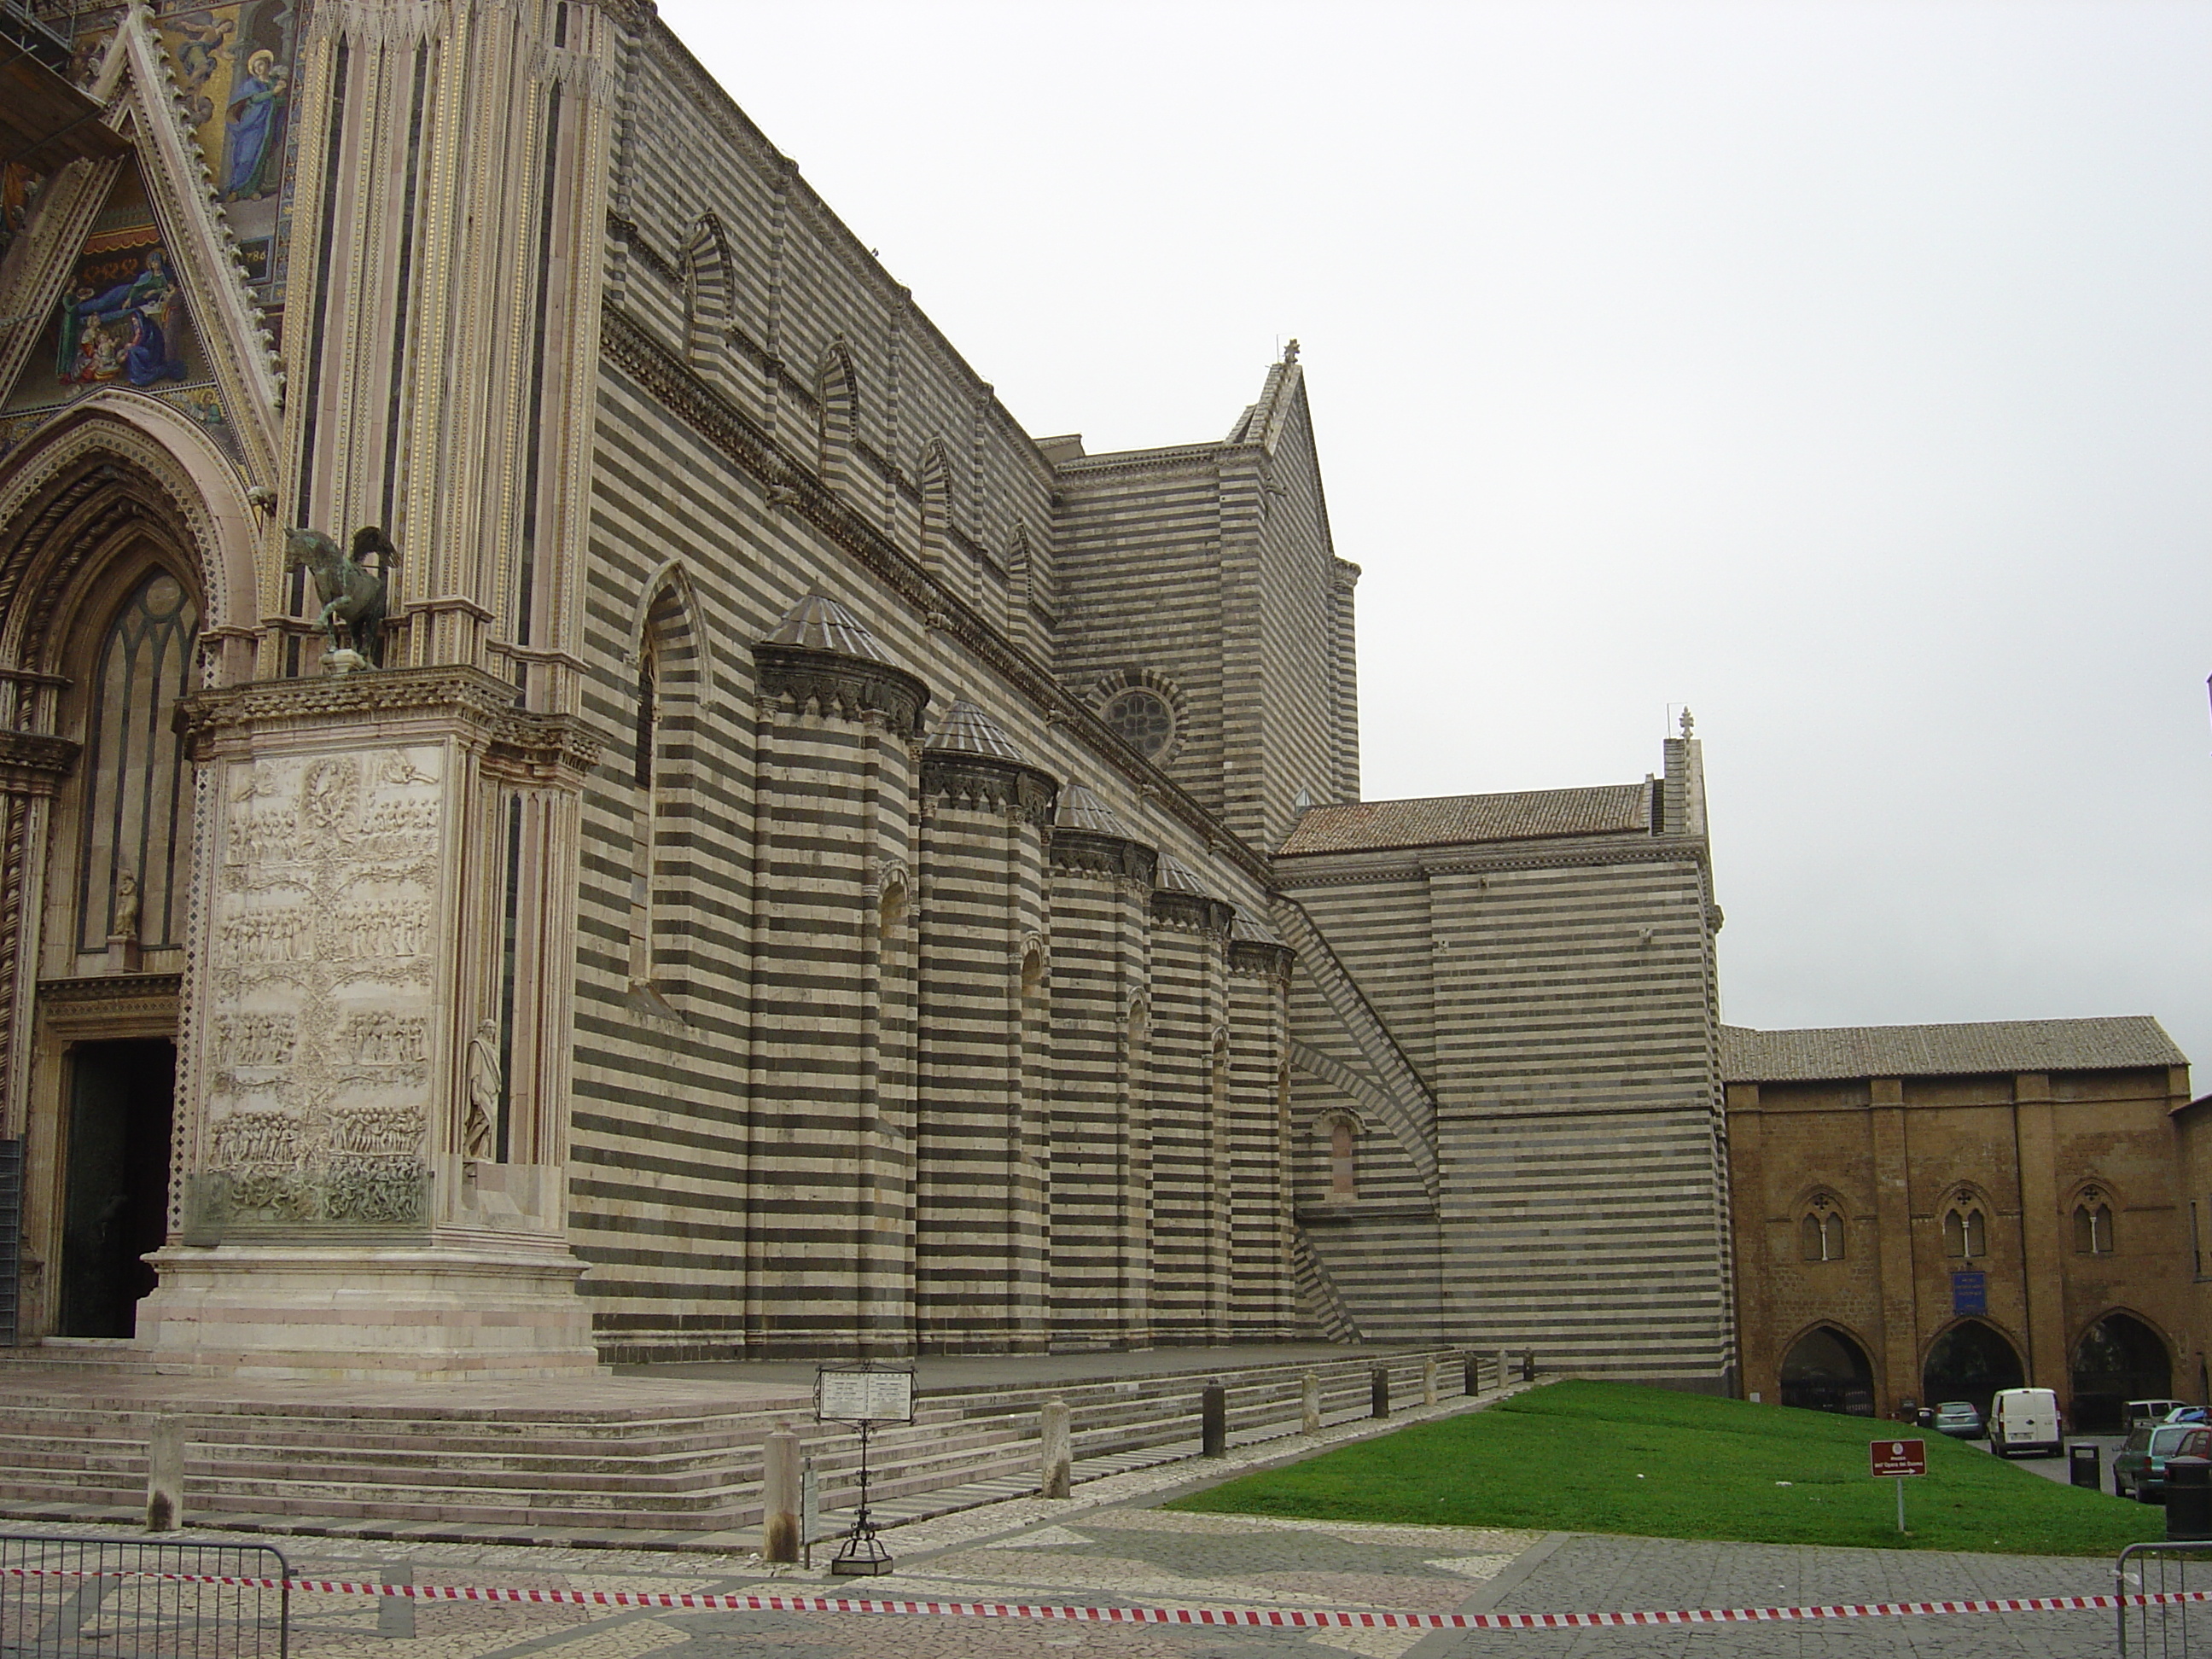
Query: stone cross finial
point(1290, 354)
point(1689, 724)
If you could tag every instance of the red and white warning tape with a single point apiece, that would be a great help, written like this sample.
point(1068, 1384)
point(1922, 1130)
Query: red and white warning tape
point(1283, 1617)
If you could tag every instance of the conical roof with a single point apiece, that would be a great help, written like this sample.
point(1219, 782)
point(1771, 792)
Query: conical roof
point(1079, 809)
point(967, 730)
point(1253, 931)
point(820, 624)
point(1178, 877)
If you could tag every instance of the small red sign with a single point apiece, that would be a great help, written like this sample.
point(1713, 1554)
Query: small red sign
point(1893, 1457)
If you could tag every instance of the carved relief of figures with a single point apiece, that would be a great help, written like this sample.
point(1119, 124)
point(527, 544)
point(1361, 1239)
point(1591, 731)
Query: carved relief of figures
point(326, 919)
point(378, 1131)
point(253, 1040)
point(380, 1039)
point(393, 927)
point(266, 936)
point(246, 1140)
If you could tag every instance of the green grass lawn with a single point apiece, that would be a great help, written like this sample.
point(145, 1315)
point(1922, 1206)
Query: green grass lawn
point(1616, 1457)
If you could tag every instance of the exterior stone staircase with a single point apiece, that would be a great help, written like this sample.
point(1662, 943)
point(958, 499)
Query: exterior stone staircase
point(73, 1447)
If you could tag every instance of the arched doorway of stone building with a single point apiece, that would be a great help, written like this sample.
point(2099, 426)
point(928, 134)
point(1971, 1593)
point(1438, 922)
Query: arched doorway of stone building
point(1826, 1371)
point(1970, 1361)
point(2118, 1358)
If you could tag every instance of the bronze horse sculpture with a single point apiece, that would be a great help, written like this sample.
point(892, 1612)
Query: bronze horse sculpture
point(354, 598)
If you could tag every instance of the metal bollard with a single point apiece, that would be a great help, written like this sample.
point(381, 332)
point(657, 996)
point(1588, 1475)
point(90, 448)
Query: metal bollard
point(1528, 1366)
point(164, 1475)
point(1378, 1392)
point(1213, 1421)
point(2085, 1465)
point(780, 1526)
point(1473, 1375)
point(1056, 1450)
point(1309, 1403)
point(2188, 1498)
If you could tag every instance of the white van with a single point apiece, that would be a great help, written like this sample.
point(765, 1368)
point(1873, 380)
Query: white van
point(2025, 1421)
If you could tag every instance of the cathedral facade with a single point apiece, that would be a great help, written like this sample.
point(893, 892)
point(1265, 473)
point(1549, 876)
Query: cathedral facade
point(801, 866)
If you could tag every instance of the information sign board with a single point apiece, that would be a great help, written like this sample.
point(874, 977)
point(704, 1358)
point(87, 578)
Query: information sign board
point(864, 1396)
point(1970, 1293)
point(1897, 1457)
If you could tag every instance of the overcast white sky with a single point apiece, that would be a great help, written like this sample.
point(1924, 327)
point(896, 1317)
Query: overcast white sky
point(1842, 370)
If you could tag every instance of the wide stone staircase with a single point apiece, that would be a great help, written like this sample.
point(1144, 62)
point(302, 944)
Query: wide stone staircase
point(634, 1459)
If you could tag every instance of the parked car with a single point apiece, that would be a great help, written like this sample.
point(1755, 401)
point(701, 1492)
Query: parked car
point(2147, 1411)
point(2025, 1421)
point(2139, 1472)
point(2189, 1414)
point(1959, 1418)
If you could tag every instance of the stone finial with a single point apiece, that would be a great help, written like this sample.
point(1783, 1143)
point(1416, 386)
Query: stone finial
point(1689, 724)
point(1290, 354)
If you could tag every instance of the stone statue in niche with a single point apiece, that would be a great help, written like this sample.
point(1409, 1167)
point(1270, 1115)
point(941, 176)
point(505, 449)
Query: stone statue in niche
point(126, 906)
point(354, 598)
point(484, 1092)
point(122, 953)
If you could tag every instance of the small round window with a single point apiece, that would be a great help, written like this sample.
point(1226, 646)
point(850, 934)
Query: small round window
point(1143, 718)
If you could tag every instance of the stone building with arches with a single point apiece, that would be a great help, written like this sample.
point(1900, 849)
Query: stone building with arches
point(818, 869)
point(1929, 1212)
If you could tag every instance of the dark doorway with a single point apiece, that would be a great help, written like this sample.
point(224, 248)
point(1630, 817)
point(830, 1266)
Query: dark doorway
point(2120, 1358)
point(117, 1204)
point(1825, 1371)
point(1970, 1361)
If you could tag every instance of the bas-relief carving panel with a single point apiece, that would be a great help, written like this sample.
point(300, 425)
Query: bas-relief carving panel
point(321, 980)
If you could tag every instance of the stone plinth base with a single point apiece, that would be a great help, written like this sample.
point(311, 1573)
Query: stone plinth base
point(428, 1313)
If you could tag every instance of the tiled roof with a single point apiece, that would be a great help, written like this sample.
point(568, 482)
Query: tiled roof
point(817, 624)
point(967, 730)
point(1998, 1045)
point(1362, 826)
point(1079, 809)
point(1253, 931)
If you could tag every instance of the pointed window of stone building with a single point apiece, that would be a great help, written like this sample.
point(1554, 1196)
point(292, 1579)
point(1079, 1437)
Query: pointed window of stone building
point(136, 822)
point(1343, 1161)
point(2092, 1225)
point(1820, 1234)
point(1964, 1232)
point(665, 691)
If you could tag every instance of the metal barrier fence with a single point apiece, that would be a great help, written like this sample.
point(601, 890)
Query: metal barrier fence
point(106, 1598)
point(2162, 1632)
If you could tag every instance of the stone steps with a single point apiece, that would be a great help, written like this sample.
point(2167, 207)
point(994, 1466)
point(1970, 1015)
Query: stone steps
point(650, 1468)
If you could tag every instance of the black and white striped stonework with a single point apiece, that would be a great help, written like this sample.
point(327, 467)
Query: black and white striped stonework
point(1547, 991)
point(918, 1007)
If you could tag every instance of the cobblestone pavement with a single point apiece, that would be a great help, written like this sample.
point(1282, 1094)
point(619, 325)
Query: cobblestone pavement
point(1131, 1553)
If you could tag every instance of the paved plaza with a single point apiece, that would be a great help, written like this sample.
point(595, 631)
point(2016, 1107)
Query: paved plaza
point(1112, 1544)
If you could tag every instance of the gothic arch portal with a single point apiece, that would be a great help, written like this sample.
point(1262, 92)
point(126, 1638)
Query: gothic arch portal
point(1827, 1370)
point(2119, 1357)
point(127, 580)
point(1970, 1360)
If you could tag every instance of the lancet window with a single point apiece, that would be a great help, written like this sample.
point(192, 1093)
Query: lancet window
point(2093, 1224)
point(135, 824)
point(1965, 1232)
point(1821, 1230)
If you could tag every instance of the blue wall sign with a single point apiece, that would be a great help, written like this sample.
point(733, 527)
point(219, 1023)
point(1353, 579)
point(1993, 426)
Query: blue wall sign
point(1970, 1293)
